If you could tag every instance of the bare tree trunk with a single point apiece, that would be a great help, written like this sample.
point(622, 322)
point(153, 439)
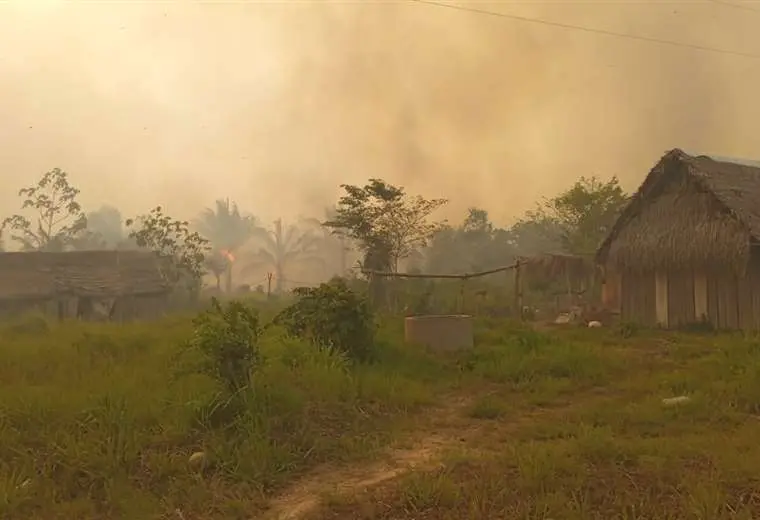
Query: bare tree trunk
point(228, 279)
point(279, 272)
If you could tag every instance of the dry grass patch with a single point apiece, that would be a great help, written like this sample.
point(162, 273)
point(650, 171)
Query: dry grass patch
point(616, 453)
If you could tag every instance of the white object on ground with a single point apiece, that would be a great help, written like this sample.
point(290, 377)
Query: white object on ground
point(197, 460)
point(672, 401)
point(594, 324)
point(563, 318)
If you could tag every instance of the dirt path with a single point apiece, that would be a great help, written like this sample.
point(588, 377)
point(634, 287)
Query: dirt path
point(449, 428)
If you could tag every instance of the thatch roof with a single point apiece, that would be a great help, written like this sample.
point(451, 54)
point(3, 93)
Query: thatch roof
point(43, 275)
point(689, 211)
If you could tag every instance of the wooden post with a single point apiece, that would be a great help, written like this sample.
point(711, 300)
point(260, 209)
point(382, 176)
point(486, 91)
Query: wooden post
point(269, 285)
point(518, 291)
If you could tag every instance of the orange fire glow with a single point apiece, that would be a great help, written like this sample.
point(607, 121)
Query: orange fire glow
point(228, 255)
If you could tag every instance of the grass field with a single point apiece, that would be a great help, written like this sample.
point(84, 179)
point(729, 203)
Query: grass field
point(99, 421)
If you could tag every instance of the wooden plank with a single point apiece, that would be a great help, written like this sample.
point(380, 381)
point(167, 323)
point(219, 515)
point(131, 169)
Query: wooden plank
point(612, 290)
point(713, 295)
point(701, 311)
point(680, 298)
point(754, 280)
point(744, 303)
point(661, 297)
point(649, 297)
point(728, 299)
point(637, 299)
point(626, 294)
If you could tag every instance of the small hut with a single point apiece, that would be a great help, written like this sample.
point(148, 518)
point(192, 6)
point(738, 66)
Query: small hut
point(686, 249)
point(90, 285)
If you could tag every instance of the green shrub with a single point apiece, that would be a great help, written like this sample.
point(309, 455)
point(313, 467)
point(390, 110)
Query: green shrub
point(228, 338)
point(331, 316)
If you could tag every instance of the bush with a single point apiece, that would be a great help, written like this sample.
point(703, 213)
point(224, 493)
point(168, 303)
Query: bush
point(228, 338)
point(331, 316)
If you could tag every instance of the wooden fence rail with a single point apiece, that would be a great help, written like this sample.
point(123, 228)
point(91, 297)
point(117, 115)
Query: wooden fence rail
point(463, 277)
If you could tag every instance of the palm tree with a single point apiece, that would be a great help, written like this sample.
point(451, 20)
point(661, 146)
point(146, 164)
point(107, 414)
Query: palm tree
point(228, 230)
point(283, 247)
point(217, 264)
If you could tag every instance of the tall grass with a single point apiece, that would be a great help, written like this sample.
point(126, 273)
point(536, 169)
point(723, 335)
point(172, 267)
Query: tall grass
point(99, 420)
point(616, 454)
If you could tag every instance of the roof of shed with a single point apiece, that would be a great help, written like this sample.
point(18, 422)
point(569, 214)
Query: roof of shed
point(735, 184)
point(42, 275)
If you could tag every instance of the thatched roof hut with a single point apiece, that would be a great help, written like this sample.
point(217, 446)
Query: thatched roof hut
point(94, 274)
point(691, 211)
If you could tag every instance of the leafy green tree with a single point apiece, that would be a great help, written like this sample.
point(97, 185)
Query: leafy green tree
point(228, 230)
point(184, 250)
point(386, 223)
point(282, 247)
point(58, 220)
point(534, 234)
point(582, 215)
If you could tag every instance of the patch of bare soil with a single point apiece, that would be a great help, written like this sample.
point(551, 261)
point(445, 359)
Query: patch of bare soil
point(449, 428)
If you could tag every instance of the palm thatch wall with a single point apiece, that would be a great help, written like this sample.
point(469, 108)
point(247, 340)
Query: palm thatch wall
point(684, 226)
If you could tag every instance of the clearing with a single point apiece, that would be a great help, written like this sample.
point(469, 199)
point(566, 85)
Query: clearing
point(98, 421)
point(614, 450)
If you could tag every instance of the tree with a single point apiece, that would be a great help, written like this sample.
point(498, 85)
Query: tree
point(107, 223)
point(184, 250)
point(334, 248)
point(217, 264)
point(536, 233)
point(582, 215)
point(228, 230)
point(284, 246)
point(475, 245)
point(386, 223)
point(103, 231)
point(59, 217)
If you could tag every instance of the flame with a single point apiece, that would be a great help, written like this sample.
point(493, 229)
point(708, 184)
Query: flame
point(228, 255)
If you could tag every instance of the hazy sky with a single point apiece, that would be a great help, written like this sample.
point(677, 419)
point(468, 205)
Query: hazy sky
point(274, 104)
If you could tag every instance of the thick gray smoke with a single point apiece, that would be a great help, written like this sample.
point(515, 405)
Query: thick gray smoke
point(276, 104)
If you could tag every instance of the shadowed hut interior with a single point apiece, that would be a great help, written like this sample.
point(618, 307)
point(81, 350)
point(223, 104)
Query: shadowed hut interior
point(685, 248)
point(568, 276)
